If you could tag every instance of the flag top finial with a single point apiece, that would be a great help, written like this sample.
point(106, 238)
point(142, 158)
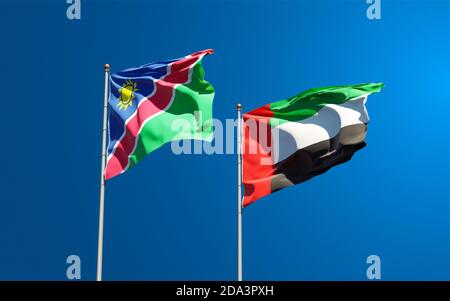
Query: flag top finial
point(238, 107)
point(106, 67)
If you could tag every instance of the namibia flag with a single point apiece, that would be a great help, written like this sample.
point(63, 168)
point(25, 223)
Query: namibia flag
point(145, 102)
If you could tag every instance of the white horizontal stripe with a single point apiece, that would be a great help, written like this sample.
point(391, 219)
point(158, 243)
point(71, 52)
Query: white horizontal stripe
point(289, 137)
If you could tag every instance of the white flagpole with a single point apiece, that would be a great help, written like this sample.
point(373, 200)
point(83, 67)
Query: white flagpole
point(102, 180)
point(239, 139)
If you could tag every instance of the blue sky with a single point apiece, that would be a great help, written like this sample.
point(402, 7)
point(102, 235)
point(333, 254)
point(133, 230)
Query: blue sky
point(174, 217)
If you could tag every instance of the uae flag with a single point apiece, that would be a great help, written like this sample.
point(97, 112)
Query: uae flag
point(290, 141)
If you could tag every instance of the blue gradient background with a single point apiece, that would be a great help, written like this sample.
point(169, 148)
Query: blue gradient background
point(174, 217)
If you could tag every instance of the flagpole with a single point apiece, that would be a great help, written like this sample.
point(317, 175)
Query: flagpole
point(239, 139)
point(102, 180)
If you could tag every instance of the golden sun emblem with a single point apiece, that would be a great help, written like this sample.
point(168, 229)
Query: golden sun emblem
point(127, 94)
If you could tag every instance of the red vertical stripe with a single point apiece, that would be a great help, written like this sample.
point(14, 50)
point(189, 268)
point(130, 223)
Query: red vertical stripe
point(257, 165)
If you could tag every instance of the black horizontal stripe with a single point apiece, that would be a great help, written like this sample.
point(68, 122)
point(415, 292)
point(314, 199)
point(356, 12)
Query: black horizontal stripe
point(316, 159)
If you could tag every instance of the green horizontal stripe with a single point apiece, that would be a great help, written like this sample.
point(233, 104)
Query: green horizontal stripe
point(197, 96)
point(309, 102)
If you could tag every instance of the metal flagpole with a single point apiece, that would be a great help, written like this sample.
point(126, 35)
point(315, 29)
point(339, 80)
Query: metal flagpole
point(102, 180)
point(239, 139)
